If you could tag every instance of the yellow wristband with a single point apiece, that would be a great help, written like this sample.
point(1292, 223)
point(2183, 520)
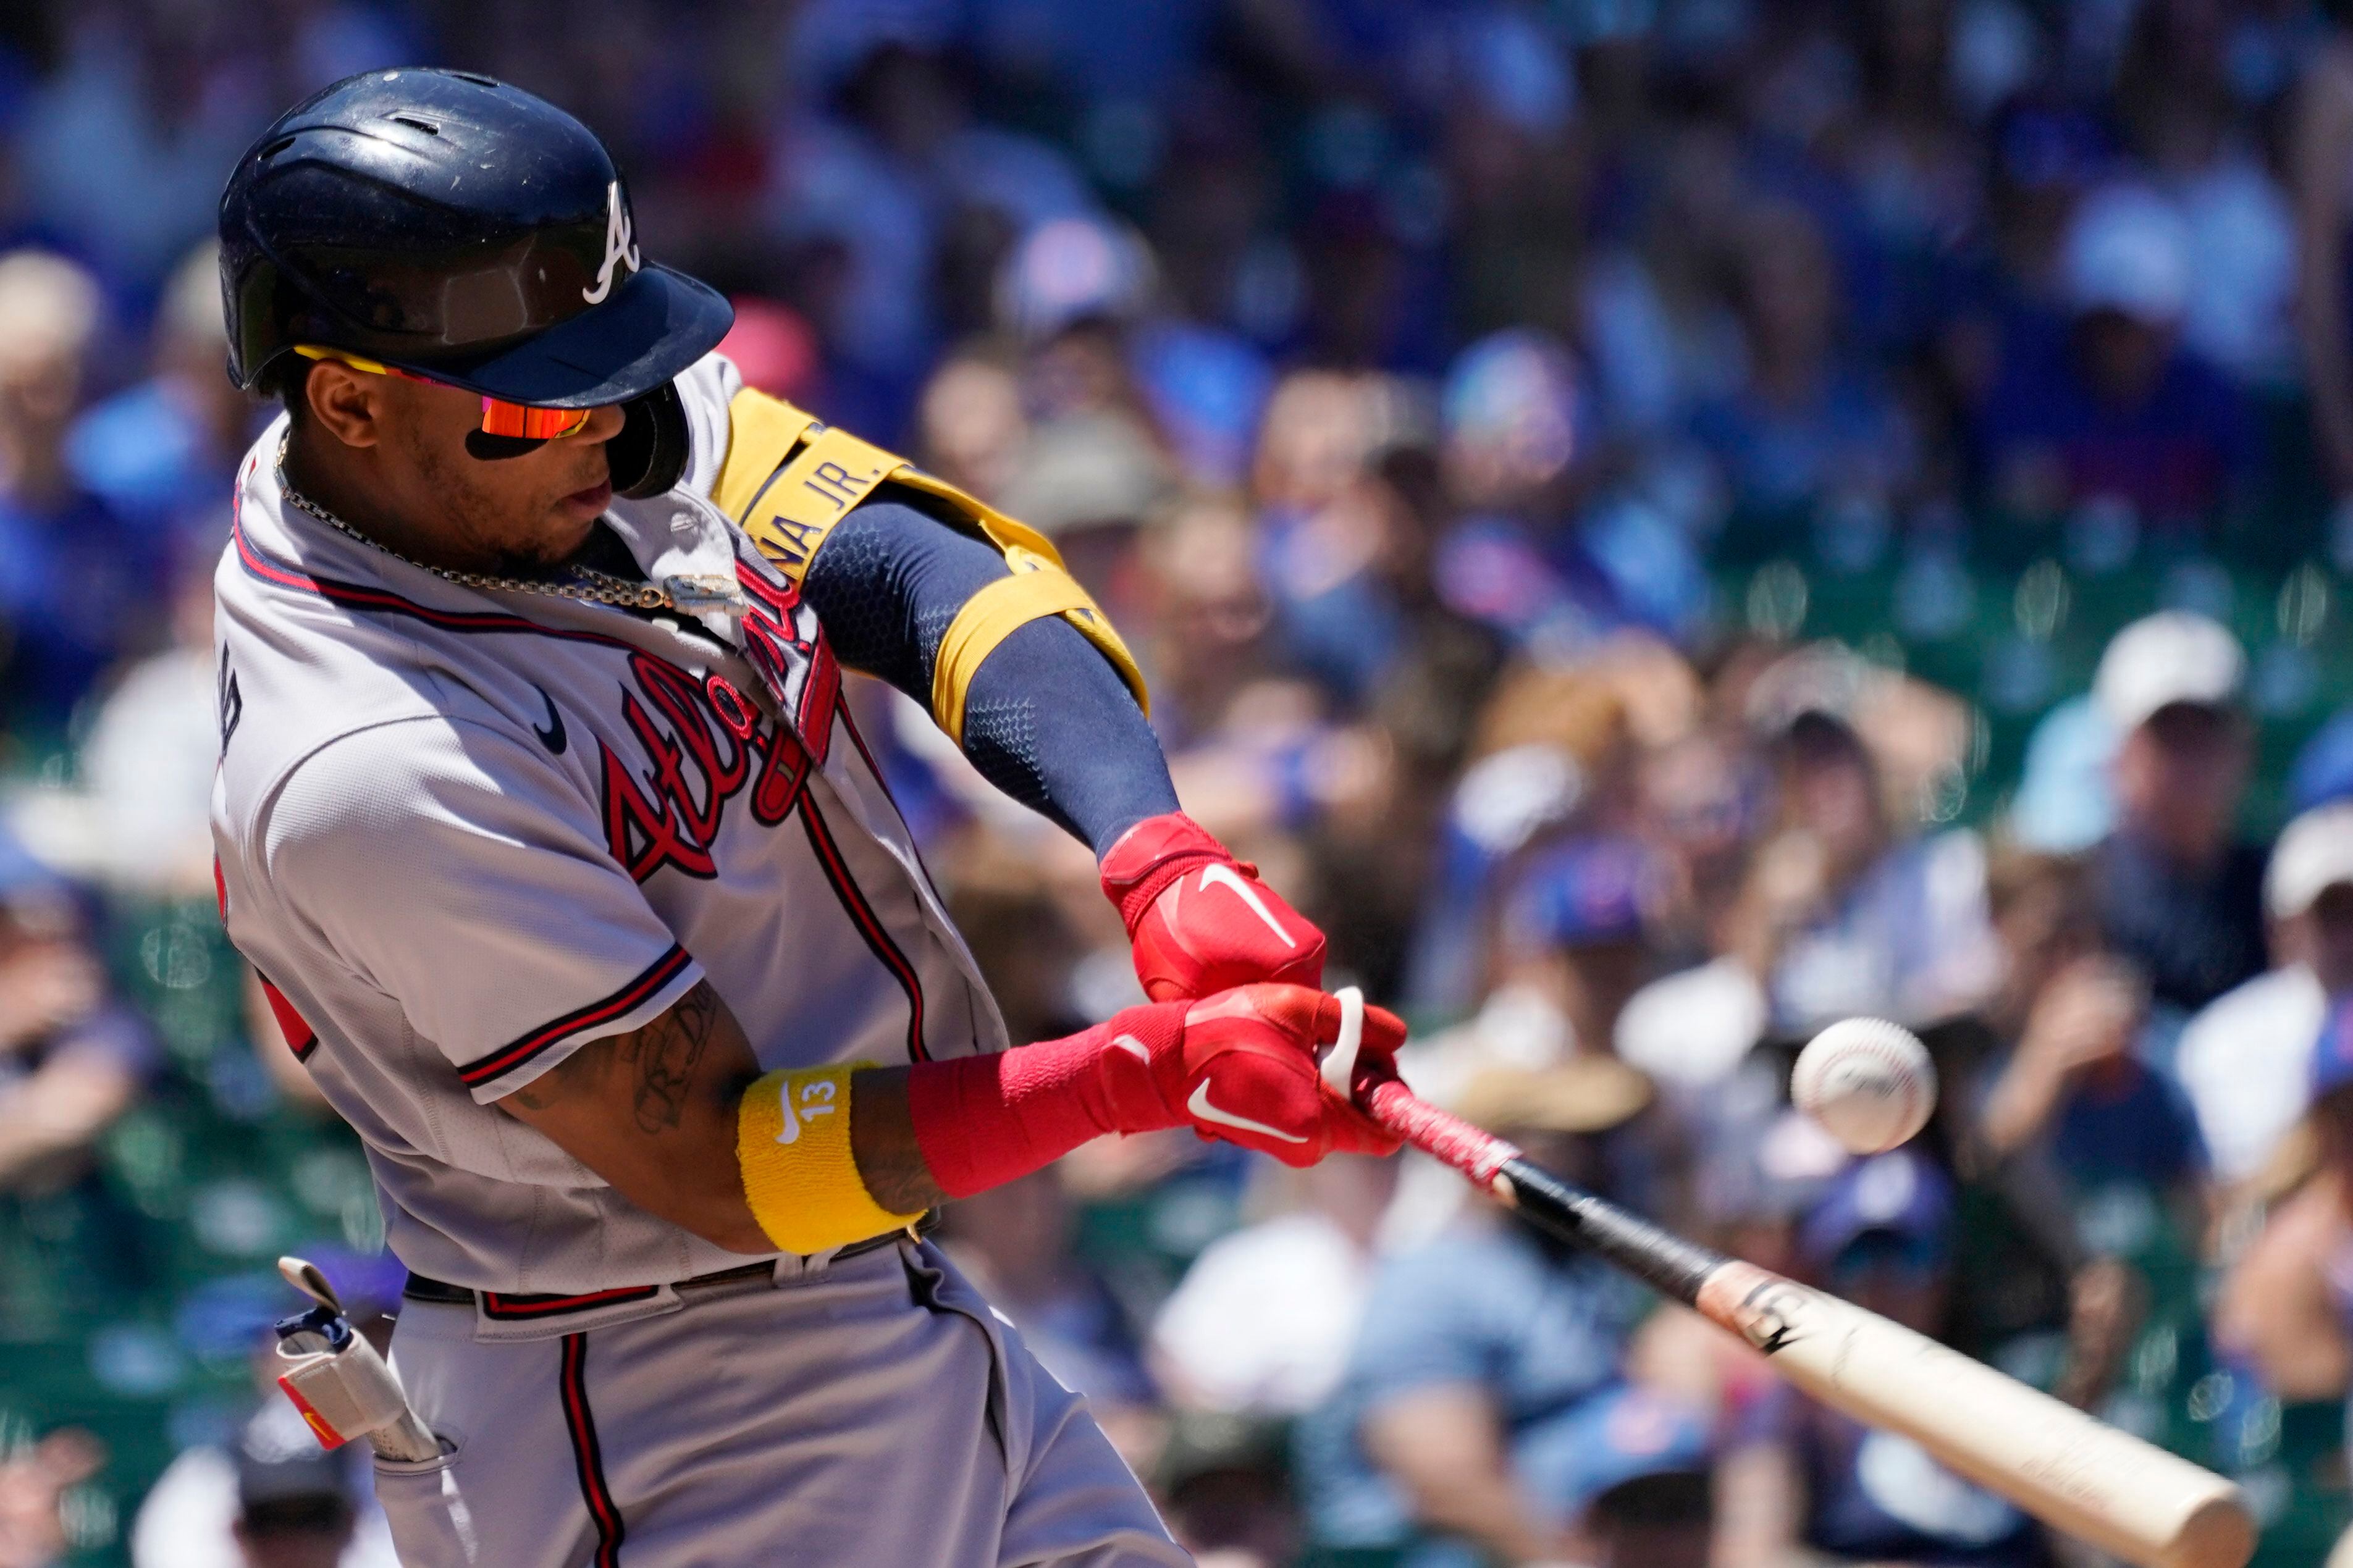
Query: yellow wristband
point(792, 1139)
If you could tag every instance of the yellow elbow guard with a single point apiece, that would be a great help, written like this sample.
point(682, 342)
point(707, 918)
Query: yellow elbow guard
point(789, 478)
point(792, 1139)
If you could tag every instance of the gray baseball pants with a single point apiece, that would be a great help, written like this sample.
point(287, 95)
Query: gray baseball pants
point(874, 1413)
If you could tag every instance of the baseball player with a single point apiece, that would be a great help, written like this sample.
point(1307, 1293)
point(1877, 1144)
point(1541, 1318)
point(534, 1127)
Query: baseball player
point(575, 889)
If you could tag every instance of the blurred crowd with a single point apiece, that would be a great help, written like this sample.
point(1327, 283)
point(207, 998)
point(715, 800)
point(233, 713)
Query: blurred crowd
point(1659, 523)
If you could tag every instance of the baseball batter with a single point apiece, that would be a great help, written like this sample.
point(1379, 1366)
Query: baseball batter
point(540, 813)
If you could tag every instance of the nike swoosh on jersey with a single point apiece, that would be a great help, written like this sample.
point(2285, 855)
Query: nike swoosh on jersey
point(1203, 1111)
point(1226, 876)
point(553, 737)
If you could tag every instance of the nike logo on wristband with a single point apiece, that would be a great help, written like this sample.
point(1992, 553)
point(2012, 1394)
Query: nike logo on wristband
point(1226, 876)
point(1133, 1047)
point(816, 1100)
point(1202, 1111)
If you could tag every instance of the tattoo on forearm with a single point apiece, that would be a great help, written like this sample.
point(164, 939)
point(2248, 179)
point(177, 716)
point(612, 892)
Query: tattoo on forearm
point(661, 1060)
point(899, 1179)
point(665, 1053)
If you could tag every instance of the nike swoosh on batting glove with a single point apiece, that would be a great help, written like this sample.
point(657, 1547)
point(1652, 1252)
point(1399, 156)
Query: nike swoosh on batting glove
point(1199, 920)
point(1246, 1071)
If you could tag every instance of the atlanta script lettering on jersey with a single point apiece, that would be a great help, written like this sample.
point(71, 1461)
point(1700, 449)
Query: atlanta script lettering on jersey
point(704, 740)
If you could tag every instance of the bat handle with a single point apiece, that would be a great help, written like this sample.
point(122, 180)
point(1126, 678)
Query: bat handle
point(1449, 1140)
point(1476, 1152)
point(1659, 1258)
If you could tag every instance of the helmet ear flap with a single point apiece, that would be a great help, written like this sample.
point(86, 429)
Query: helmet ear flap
point(650, 454)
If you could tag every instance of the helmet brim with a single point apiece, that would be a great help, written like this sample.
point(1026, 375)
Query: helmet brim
point(654, 326)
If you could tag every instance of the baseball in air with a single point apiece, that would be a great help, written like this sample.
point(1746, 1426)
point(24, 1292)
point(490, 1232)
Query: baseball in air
point(1868, 1083)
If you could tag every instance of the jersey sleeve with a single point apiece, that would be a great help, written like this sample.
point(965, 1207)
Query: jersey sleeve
point(453, 869)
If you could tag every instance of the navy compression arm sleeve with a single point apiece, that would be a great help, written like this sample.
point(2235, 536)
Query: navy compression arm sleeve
point(1047, 719)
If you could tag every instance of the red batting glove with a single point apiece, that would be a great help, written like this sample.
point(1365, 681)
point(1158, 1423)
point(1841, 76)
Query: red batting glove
point(1241, 1067)
point(1200, 921)
point(1246, 1072)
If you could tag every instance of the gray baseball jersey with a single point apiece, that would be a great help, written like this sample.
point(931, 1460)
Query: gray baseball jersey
point(463, 833)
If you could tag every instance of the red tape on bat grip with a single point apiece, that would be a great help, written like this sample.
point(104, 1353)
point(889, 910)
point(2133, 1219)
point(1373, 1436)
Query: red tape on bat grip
point(1656, 1256)
point(1445, 1138)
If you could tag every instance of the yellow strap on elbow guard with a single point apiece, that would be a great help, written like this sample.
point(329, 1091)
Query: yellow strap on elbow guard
point(789, 479)
point(1035, 591)
point(792, 1139)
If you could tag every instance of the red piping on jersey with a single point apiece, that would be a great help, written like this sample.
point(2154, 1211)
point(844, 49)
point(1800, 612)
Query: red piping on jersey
point(301, 1039)
point(588, 1456)
point(358, 596)
point(506, 1058)
point(875, 769)
point(859, 741)
point(870, 926)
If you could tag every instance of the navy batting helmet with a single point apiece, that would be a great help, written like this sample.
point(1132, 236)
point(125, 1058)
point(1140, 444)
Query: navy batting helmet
point(454, 225)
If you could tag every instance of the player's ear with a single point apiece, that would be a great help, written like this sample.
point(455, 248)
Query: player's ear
point(348, 403)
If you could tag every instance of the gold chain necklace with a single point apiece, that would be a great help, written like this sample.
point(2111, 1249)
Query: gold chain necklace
point(683, 591)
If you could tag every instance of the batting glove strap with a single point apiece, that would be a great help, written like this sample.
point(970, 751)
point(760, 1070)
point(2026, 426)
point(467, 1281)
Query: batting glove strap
point(1199, 920)
point(1154, 853)
point(1251, 1073)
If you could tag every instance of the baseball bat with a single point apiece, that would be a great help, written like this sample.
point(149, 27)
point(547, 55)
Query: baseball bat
point(2078, 1474)
point(343, 1388)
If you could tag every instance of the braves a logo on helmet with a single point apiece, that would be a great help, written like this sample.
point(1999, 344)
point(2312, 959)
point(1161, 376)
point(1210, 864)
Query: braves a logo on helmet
point(619, 246)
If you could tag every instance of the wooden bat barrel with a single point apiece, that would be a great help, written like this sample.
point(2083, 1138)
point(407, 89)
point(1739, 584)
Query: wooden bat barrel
point(2081, 1474)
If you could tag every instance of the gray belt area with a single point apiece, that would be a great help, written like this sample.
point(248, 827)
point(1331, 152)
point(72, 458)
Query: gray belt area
point(439, 1293)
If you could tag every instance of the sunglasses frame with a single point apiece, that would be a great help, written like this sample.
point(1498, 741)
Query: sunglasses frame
point(516, 421)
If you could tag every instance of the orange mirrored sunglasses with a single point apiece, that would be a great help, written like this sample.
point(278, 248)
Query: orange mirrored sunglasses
point(500, 417)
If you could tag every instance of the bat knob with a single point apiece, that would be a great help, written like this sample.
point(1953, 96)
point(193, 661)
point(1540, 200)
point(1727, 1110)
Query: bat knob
point(1339, 1066)
point(306, 1276)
